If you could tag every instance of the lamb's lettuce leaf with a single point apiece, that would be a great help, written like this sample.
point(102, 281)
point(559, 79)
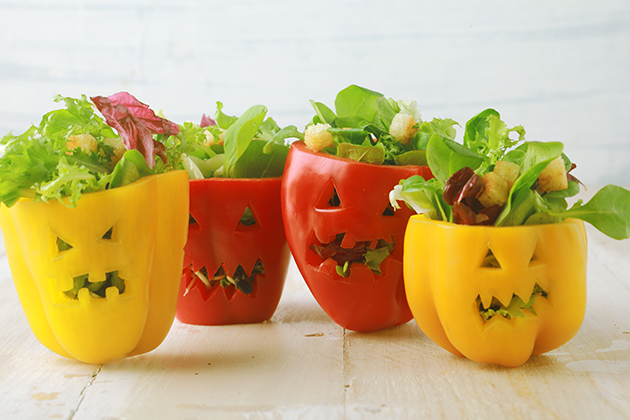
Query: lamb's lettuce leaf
point(363, 117)
point(249, 146)
point(487, 140)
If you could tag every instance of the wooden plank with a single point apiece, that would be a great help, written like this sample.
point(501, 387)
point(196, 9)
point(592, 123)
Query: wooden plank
point(35, 383)
point(302, 365)
point(401, 373)
point(289, 366)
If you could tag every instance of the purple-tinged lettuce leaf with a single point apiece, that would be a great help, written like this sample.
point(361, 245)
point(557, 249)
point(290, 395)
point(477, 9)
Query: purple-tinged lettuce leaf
point(136, 124)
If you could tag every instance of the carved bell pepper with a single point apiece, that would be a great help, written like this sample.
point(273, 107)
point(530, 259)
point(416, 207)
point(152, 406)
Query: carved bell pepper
point(496, 294)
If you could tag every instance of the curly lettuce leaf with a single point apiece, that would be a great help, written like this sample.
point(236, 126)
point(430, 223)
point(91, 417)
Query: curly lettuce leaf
point(39, 165)
point(488, 136)
point(44, 163)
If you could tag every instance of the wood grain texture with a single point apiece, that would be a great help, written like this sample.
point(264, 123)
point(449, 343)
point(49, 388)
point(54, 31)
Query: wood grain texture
point(302, 365)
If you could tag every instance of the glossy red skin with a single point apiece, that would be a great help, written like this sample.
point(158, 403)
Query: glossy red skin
point(363, 301)
point(217, 204)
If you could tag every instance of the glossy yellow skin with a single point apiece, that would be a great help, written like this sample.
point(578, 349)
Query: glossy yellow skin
point(150, 225)
point(444, 275)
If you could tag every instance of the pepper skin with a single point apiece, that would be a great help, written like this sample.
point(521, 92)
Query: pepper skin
point(445, 274)
point(217, 238)
point(148, 222)
point(364, 301)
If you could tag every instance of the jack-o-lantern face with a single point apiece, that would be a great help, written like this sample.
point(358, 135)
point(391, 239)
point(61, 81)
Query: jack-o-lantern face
point(326, 198)
point(221, 243)
point(91, 278)
point(496, 294)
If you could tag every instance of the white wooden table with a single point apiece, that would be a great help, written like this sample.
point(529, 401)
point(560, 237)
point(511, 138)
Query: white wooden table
point(302, 365)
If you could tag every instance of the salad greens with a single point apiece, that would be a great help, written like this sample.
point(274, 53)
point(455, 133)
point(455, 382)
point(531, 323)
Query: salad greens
point(240, 280)
point(471, 185)
point(368, 127)
point(75, 151)
point(248, 146)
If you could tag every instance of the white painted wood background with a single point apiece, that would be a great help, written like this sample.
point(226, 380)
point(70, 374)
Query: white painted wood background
point(560, 68)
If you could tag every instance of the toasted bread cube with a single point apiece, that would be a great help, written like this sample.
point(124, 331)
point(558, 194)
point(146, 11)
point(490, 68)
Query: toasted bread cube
point(317, 137)
point(119, 147)
point(210, 140)
point(85, 142)
point(507, 171)
point(495, 190)
point(402, 128)
point(553, 177)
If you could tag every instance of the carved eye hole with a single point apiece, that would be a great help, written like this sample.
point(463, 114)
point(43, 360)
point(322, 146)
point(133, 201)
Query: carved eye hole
point(62, 245)
point(535, 260)
point(108, 235)
point(329, 198)
point(192, 222)
point(334, 199)
point(389, 211)
point(490, 261)
point(247, 221)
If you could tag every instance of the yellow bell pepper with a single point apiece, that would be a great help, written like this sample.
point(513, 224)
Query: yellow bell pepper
point(137, 232)
point(496, 294)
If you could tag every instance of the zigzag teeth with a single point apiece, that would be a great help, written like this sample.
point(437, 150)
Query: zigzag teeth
point(524, 291)
point(486, 298)
point(505, 297)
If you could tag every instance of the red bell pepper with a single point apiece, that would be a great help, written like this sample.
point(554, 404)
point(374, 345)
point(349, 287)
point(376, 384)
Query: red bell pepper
point(363, 301)
point(217, 238)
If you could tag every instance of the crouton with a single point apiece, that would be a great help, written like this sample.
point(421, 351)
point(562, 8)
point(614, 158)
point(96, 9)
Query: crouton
point(317, 137)
point(553, 177)
point(210, 140)
point(85, 142)
point(402, 128)
point(495, 190)
point(119, 147)
point(508, 172)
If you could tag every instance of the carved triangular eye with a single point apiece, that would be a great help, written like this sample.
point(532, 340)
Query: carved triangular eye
point(108, 235)
point(490, 261)
point(329, 198)
point(535, 260)
point(248, 221)
point(63, 245)
point(389, 211)
point(334, 200)
point(192, 222)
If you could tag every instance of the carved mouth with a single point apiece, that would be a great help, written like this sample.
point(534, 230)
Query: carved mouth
point(84, 287)
point(515, 308)
point(368, 253)
point(238, 281)
point(98, 289)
